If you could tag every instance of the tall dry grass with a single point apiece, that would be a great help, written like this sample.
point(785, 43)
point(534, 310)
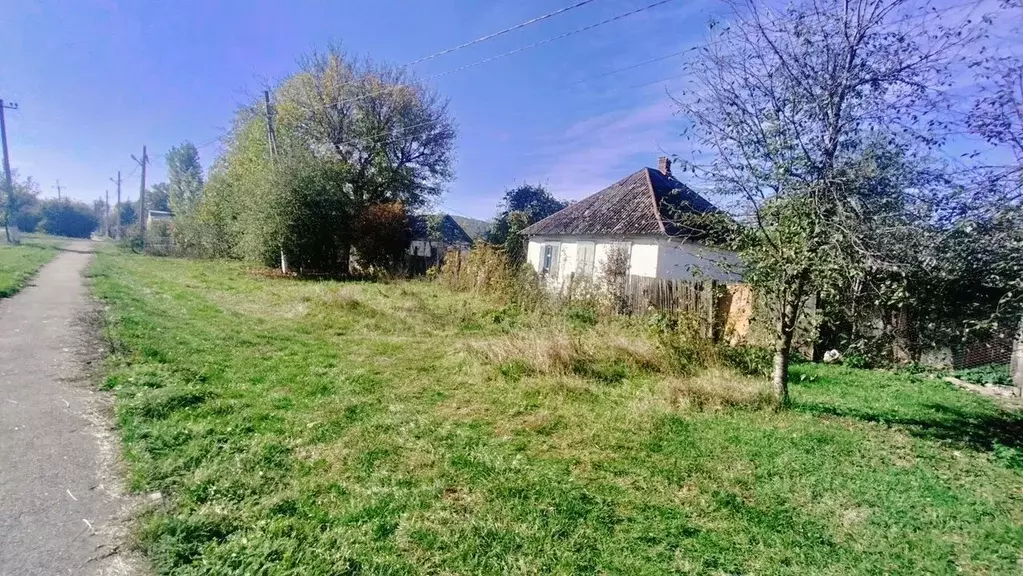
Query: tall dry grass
point(485, 270)
point(561, 353)
point(716, 389)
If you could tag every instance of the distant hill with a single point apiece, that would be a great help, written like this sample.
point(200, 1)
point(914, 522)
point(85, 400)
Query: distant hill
point(476, 229)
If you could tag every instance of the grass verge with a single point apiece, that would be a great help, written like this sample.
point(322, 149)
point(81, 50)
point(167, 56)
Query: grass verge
point(329, 428)
point(19, 262)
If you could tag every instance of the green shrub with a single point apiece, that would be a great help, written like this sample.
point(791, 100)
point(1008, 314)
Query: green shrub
point(986, 375)
point(581, 317)
point(748, 360)
point(67, 218)
point(682, 339)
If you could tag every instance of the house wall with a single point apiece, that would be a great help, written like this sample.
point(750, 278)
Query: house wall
point(650, 257)
point(683, 260)
point(423, 247)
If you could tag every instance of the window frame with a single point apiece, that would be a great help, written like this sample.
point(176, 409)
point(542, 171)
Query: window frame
point(586, 266)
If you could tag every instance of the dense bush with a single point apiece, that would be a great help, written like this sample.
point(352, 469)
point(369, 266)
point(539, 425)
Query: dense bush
point(67, 218)
point(748, 360)
point(682, 338)
point(382, 234)
point(27, 220)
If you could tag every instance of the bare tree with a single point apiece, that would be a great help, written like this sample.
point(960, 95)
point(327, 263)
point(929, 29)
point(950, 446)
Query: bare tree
point(789, 103)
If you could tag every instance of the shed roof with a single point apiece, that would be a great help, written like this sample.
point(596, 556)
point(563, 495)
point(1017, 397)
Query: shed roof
point(449, 230)
point(645, 203)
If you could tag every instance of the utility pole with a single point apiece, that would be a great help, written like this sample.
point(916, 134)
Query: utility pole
point(58, 189)
point(142, 193)
point(271, 141)
point(117, 224)
point(8, 210)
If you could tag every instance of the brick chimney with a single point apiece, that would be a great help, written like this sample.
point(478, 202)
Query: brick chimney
point(664, 165)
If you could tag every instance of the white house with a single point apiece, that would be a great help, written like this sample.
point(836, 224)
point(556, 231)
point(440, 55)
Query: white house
point(640, 213)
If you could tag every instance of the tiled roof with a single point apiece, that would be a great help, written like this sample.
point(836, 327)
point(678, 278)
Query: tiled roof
point(450, 231)
point(641, 204)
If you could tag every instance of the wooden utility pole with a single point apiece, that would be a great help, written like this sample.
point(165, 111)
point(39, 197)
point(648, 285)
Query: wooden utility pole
point(58, 189)
point(117, 214)
point(142, 193)
point(271, 141)
point(9, 205)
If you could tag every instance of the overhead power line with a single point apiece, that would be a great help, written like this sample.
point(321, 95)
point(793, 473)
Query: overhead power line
point(711, 42)
point(503, 54)
point(499, 33)
point(549, 40)
point(636, 65)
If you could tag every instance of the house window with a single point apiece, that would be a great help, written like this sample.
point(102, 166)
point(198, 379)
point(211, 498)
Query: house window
point(549, 259)
point(585, 255)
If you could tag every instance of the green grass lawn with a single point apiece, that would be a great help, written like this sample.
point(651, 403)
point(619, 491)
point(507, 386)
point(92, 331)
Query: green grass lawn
point(298, 427)
point(19, 262)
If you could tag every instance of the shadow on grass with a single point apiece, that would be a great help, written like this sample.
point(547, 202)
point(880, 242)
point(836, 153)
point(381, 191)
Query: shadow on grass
point(984, 431)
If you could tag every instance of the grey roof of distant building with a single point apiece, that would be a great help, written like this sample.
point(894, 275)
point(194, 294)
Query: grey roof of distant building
point(450, 231)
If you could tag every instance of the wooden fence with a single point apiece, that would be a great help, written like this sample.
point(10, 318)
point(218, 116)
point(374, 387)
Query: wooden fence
point(728, 313)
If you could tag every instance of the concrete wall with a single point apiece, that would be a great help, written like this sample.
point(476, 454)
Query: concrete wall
point(649, 257)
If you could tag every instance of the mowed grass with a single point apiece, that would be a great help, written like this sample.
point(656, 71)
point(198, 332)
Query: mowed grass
point(297, 427)
point(18, 262)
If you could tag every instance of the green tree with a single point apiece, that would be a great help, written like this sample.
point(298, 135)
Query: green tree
point(158, 197)
point(788, 101)
point(185, 179)
point(350, 135)
point(68, 218)
point(514, 243)
point(128, 214)
point(392, 131)
point(533, 202)
point(25, 211)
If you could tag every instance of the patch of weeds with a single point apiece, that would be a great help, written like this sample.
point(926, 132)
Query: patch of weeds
point(514, 370)
point(507, 317)
point(748, 360)
point(1009, 456)
point(986, 375)
point(160, 403)
point(177, 541)
point(581, 317)
point(603, 370)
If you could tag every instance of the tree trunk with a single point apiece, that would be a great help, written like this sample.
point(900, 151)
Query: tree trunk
point(780, 375)
point(783, 351)
point(1016, 365)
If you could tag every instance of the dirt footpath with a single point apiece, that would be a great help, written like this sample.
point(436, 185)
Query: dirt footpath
point(60, 497)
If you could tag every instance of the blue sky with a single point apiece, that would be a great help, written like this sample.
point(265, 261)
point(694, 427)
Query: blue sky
point(97, 79)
